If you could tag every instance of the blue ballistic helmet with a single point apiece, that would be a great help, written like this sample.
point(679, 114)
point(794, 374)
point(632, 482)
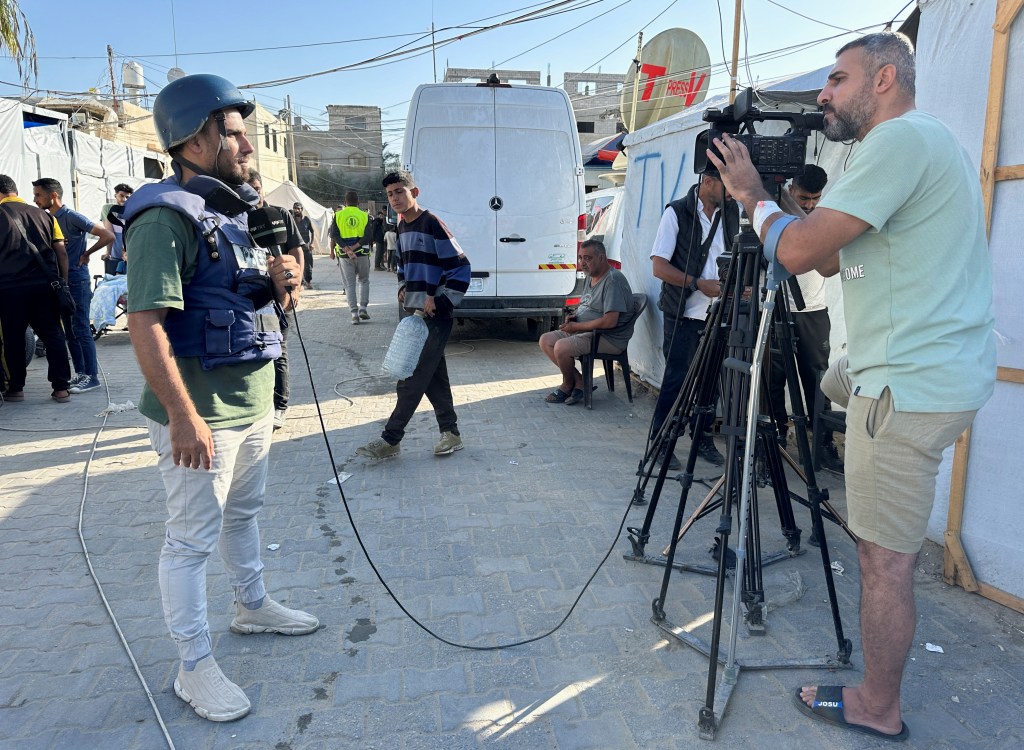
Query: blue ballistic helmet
point(183, 106)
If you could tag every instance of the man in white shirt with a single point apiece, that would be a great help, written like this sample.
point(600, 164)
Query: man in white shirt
point(691, 237)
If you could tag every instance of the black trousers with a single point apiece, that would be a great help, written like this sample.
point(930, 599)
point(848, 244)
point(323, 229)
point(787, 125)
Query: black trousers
point(430, 379)
point(812, 330)
point(307, 264)
point(33, 305)
point(679, 352)
point(281, 389)
point(379, 256)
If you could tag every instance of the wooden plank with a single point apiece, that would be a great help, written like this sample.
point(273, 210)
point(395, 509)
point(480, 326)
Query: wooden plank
point(1016, 172)
point(993, 120)
point(1010, 375)
point(1006, 12)
point(955, 566)
point(1001, 597)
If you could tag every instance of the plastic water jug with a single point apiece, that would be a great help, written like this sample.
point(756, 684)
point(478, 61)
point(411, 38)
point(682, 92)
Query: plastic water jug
point(406, 345)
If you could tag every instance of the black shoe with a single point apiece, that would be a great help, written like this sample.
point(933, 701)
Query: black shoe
point(709, 452)
point(673, 462)
point(716, 555)
point(830, 458)
point(782, 437)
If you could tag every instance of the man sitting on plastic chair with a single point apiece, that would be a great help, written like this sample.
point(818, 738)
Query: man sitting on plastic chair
point(109, 302)
point(606, 306)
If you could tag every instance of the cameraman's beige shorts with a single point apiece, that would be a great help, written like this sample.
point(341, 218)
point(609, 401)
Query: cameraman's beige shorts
point(892, 459)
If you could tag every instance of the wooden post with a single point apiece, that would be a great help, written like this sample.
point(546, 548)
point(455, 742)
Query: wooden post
point(735, 51)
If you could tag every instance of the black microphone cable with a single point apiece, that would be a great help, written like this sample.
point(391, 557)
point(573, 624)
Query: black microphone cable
point(275, 250)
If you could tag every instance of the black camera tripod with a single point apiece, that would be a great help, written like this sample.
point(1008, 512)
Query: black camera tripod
point(732, 349)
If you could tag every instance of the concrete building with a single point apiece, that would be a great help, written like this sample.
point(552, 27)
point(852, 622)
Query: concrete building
point(478, 75)
point(595, 100)
point(268, 132)
point(349, 155)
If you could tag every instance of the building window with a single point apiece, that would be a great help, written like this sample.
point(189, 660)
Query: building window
point(275, 141)
point(309, 161)
point(584, 127)
point(266, 135)
point(586, 88)
point(357, 161)
point(355, 122)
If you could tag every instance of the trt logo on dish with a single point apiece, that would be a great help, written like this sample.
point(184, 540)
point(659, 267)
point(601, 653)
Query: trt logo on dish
point(674, 87)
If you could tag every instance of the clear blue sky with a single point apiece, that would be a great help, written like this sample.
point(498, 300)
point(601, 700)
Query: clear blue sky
point(142, 31)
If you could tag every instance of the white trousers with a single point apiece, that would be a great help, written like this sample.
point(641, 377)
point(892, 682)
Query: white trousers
point(207, 509)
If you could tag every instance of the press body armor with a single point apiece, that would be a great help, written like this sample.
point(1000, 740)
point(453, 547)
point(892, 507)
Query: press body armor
point(229, 314)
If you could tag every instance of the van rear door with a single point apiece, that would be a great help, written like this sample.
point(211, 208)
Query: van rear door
point(538, 191)
point(452, 156)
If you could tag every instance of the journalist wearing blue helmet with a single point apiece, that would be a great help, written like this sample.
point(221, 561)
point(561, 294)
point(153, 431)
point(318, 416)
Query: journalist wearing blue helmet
point(204, 309)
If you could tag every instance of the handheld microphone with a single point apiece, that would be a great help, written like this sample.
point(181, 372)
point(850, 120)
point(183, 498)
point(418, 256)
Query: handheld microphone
point(268, 229)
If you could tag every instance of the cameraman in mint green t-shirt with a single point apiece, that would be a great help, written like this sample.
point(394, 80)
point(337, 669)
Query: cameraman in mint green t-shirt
point(905, 228)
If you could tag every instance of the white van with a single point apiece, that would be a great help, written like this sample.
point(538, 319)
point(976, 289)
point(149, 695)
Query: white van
point(501, 165)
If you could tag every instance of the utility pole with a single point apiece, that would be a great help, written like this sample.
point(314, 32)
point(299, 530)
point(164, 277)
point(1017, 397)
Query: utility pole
point(292, 169)
point(113, 82)
point(636, 81)
point(735, 51)
point(433, 50)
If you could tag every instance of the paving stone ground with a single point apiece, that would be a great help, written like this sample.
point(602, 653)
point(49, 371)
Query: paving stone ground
point(486, 547)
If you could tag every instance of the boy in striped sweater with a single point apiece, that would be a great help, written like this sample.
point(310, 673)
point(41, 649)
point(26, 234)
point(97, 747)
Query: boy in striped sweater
point(433, 275)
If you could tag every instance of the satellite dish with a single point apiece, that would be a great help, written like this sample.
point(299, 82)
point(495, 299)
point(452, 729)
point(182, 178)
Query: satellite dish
point(675, 73)
point(174, 74)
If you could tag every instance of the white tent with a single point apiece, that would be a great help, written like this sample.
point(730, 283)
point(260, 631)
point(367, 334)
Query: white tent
point(288, 194)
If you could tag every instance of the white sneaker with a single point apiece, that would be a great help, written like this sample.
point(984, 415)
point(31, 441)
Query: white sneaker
point(272, 618)
point(279, 418)
point(210, 693)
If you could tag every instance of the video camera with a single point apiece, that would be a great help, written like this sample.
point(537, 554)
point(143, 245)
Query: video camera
point(772, 155)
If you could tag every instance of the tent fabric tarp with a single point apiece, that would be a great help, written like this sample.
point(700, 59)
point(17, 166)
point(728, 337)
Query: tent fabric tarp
point(288, 193)
point(954, 50)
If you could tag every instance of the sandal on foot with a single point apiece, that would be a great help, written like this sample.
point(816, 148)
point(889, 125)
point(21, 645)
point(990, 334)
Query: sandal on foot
point(575, 397)
point(557, 396)
point(61, 399)
point(828, 707)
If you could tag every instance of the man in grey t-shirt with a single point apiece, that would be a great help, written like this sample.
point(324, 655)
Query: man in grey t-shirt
point(606, 306)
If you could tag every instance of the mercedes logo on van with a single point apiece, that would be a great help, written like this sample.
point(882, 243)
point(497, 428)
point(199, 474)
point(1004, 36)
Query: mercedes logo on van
point(496, 203)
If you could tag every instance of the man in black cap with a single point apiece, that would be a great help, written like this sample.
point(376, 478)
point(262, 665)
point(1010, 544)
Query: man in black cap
point(308, 235)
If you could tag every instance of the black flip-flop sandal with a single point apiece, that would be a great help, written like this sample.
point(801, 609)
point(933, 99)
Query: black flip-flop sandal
point(828, 707)
point(557, 396)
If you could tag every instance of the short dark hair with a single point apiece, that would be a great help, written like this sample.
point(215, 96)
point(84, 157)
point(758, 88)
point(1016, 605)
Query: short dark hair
point(401, 177)
point(887, 48)
point(351, 198)
point(123, 188)
point(252, 176)
point(49, 185)
point(813, 179)
point(597, 245)
point(7, 185)
point(296, 204)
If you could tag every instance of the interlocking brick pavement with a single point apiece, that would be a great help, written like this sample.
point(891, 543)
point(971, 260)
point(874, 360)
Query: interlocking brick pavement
point(485, 547)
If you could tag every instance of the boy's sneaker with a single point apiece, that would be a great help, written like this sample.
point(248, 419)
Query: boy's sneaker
point(76, 380)
point(278, 419)
point(363, 315)
point(448, 444)
point(355, 318)
point(85, 383)
point(379, 448)
point(272, 617)
point(210, 693)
